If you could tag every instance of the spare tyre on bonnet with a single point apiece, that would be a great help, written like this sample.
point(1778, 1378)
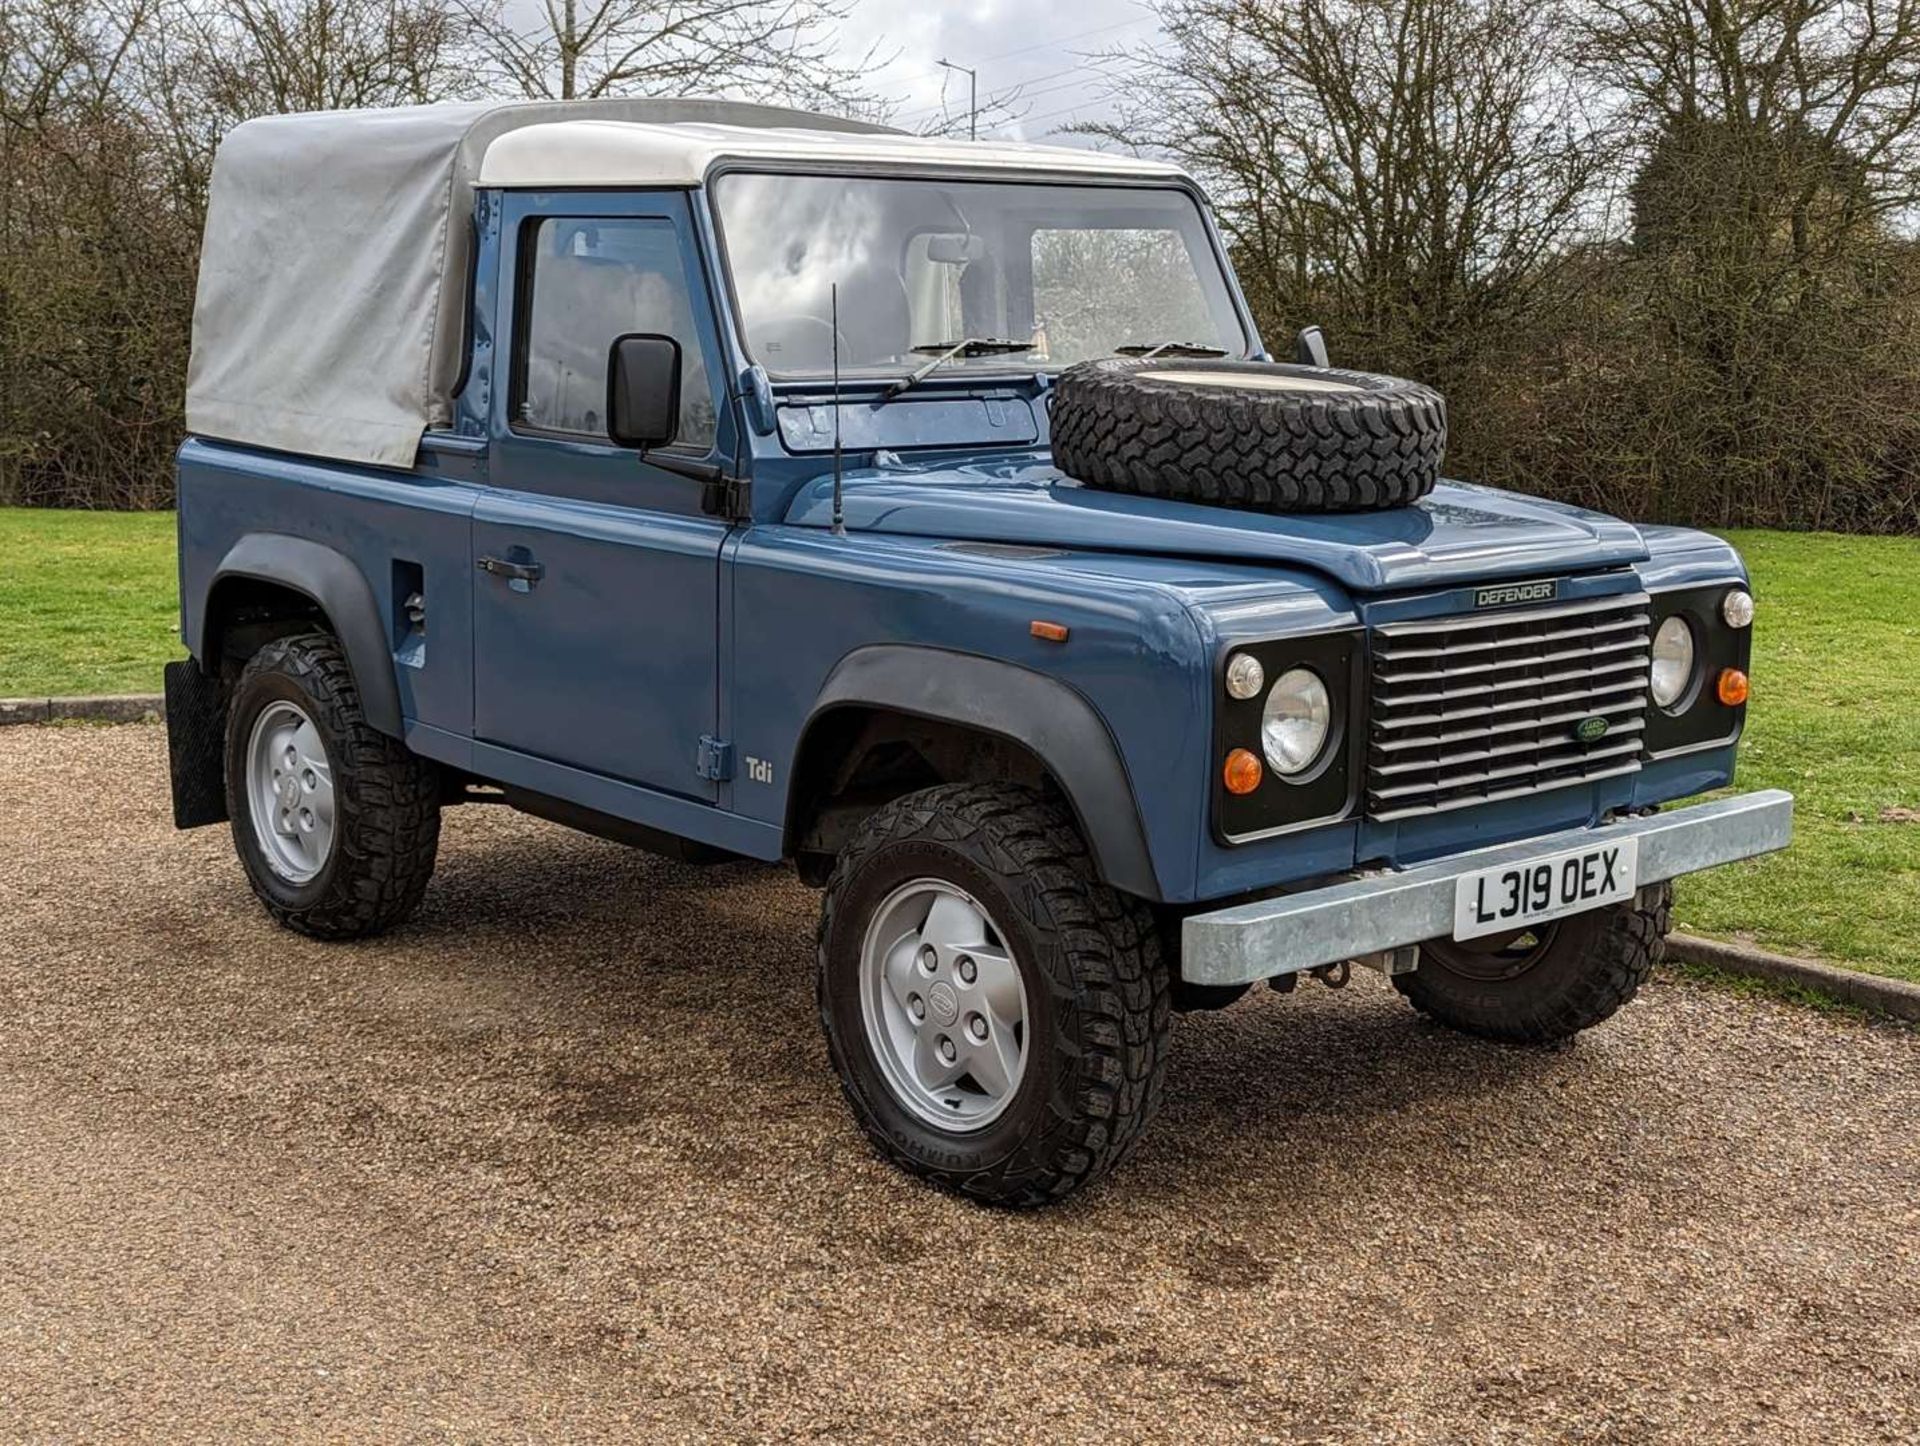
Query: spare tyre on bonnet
point(1272, 438)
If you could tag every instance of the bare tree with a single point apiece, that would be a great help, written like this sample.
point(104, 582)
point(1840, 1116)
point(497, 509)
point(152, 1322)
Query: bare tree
point(110, 111)
point(1779, 151)
point(1403, 171)
point(257, 57)
point(92, 256)
point(770, 49)
point(211, 64)
point(1827, 79)
point(1737, 342)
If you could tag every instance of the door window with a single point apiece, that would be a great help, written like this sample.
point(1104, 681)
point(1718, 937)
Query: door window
point(589, 282)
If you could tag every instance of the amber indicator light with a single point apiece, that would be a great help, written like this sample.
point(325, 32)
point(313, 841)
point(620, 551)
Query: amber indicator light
point(1243, 771)
point(1049, 632)
point(1733, 687)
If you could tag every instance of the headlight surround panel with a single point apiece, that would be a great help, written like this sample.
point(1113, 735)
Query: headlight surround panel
point(1325, 791)
point(1701, 720)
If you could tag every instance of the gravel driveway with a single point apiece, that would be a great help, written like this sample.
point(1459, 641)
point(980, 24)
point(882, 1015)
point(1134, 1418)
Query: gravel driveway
point(562, 1159)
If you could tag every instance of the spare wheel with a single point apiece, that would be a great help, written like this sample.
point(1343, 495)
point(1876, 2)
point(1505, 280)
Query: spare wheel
point(1270, 437)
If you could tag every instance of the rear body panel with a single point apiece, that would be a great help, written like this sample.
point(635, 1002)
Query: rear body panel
point(380, 521)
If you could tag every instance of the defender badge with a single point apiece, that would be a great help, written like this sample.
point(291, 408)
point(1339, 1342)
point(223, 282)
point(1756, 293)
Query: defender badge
point(1591, 730)
point(1508, 594)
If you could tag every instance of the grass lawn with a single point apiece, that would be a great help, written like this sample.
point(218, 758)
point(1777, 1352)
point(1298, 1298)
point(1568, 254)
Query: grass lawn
point(89, 602)
point(1835, 719)
point(89, 607)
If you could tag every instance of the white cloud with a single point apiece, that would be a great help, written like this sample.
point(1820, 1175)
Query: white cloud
point(1036, 48)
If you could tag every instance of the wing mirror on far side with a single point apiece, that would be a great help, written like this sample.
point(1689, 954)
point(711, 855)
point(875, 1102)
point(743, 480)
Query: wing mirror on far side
point(643, 390)
point(1310, 347)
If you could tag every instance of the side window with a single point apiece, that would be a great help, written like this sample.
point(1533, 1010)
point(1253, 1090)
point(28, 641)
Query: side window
point(589, 282)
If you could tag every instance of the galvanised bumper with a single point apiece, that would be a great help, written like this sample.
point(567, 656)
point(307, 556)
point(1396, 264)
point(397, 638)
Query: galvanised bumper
point(1375, 913)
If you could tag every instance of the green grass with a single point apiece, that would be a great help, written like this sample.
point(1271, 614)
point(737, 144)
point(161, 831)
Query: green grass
point(1835, 719)
point(87, 605)
point(89, 602)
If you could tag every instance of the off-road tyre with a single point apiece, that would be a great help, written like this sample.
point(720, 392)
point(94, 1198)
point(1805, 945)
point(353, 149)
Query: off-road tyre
point(1593, 964)
point(387, 799)
point(1261, 436)
point(1100, 1015)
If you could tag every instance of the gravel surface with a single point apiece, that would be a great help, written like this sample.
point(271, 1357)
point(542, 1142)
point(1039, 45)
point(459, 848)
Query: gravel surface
point(562, 1159)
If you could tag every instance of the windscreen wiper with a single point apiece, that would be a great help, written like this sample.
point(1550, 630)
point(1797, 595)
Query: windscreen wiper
point(1170, 348)
point(946, 351)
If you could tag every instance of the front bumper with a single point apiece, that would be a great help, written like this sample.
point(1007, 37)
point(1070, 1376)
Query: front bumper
point(1376, 913)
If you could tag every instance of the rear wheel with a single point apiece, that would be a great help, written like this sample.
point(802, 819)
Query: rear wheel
point(1545, 983)
point(336, 824)
point(998, 1017)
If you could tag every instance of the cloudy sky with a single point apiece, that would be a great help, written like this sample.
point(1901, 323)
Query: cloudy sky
point(1032, 45)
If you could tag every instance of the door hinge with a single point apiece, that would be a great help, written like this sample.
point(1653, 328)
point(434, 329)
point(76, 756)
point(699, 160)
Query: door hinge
point(716, 759)
point(724, 497)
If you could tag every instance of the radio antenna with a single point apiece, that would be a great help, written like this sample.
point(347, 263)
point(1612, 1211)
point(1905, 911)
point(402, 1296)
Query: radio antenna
point(839, 512)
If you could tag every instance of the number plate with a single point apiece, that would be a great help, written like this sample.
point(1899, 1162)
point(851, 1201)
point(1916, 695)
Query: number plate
point(1502, 900)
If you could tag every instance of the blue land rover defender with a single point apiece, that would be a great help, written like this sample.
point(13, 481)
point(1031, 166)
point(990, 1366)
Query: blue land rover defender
point(745, 484)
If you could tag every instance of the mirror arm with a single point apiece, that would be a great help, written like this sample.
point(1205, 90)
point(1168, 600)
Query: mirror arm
point(684, 467)
point(721, 495)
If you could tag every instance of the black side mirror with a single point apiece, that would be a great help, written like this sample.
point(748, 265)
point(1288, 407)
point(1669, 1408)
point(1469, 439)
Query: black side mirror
point(1310, 347)
point(643, 390)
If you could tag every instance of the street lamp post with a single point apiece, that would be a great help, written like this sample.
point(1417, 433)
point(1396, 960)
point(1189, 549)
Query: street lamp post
point(973, 96)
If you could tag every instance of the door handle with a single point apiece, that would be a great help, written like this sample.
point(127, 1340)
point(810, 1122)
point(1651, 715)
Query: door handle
point(520, 576)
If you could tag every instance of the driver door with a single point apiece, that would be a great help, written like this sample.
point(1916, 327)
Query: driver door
point(596, 577)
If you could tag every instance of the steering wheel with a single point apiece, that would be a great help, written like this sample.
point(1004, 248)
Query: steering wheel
point(795, 338)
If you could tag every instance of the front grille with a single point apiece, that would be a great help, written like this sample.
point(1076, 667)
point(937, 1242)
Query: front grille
point(1469, 710)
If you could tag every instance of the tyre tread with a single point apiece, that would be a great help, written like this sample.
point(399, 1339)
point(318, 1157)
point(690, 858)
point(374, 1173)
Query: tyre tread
point(1376, 448)
point(1633, 942)
point(1121, 998)
point(388, 834)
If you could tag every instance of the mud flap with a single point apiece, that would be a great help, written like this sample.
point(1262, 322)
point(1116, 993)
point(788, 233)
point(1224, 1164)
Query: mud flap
point(196, 744)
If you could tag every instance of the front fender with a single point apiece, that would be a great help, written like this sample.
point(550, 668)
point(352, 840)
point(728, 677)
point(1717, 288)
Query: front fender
point(1042, 714)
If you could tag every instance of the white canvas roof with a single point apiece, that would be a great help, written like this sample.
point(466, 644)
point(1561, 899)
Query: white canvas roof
point(615, 153)
point(333, 272)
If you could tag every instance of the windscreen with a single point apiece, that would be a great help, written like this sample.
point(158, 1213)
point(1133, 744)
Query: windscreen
point(1070, 272)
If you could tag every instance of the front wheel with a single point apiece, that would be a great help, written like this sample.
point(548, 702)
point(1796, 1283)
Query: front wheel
point(998, 1017)
point(1545, 983)
point(336, 824)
